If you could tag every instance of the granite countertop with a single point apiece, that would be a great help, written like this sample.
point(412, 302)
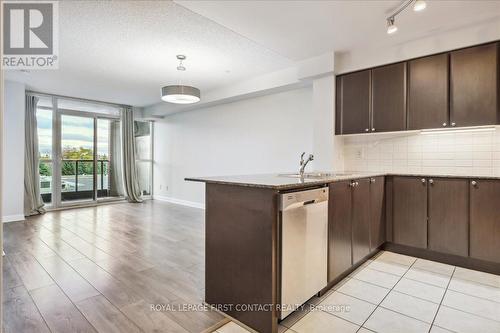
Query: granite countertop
point(278, 181)
point(282, 182)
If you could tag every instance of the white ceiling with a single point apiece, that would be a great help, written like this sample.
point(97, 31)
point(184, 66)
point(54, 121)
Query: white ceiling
point(124, 51)
point(303, 29)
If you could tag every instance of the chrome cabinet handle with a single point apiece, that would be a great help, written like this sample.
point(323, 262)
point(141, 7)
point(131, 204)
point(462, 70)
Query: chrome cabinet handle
point(444, 124)
point(366, 129)
point(453, 124)
point(372, 180)
point(423, 180)
point(373, 129)
point(431, 181)
point(473, 183)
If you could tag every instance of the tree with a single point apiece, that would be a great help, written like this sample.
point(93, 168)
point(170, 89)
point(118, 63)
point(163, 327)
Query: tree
point(45, 169)
point(85, 158)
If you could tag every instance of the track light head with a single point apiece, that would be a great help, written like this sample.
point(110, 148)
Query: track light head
point(391, 27)
point(419, 5)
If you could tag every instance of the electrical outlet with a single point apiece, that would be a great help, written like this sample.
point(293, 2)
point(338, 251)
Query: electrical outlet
point(359, 153)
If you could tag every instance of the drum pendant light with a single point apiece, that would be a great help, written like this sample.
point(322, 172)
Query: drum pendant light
point(180, 94)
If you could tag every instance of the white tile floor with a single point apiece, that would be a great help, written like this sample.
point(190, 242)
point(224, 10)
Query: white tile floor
point(397, 293)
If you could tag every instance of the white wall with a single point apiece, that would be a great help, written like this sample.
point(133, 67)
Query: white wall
point(327, 148)
point(13, 153)
point(259, 135)
point(466, 153)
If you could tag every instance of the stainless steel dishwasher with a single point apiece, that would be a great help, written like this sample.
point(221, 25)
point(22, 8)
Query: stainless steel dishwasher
point(304, 246)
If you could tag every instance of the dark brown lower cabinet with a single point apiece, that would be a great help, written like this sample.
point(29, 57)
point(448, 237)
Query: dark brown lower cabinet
point(485, 220)
point(360, 219)
point(449, 216)
point(410, 211)
point(377, 212)
point(339, 229)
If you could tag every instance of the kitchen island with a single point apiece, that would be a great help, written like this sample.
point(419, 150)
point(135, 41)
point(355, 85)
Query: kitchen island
point(242, 243)
point(445, 218)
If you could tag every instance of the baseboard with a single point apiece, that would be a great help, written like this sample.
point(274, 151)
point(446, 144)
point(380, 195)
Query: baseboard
point(450, 259)
point(179, 201)
point(12, 218)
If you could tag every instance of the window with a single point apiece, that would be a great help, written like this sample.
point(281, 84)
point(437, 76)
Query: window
point(79, 149)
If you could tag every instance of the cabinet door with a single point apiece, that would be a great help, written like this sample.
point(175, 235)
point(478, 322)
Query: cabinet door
point(360, 219)
point(377, 212)
point(449, 216)
point(389, 98)
point(339, 229)
point(428, 92)
point(485, 220)
point(338, 105)
point(474, 85)
point(410, 211)
point(355, 102)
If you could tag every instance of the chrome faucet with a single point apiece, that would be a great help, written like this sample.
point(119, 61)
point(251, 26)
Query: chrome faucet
point(303, 163)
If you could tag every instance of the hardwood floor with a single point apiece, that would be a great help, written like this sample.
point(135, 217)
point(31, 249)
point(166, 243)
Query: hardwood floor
point(101, 269)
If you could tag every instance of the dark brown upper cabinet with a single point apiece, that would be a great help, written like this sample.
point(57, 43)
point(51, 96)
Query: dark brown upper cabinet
point(377, 212)
point(485, 220)
point(389, 98)
point(449, 216)
point(338, 104)
point(474, 86)
point(410, 211)
point(353, 102)
point(360, 219)
point(428, 92)
point(339, 229)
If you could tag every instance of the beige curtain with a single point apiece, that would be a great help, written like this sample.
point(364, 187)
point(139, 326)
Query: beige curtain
point(130, 178)
point(115, 167)
point(33, 203)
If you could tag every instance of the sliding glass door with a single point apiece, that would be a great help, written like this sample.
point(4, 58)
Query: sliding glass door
point(109, 160)
point(80, 156)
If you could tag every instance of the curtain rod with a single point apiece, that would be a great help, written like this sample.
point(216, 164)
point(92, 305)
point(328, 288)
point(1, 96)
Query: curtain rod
point(31, 92)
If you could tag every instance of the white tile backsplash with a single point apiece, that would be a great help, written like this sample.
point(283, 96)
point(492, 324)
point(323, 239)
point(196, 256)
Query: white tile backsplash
point(463, 154)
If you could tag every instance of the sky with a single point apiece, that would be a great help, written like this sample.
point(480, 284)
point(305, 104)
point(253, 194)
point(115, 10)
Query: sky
point(76, 132)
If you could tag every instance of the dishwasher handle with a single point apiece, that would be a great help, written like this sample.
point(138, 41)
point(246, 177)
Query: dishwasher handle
point(298, 199)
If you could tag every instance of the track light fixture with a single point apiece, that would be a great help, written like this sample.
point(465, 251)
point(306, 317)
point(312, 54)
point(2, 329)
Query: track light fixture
point(418, 5)
point(391, 27)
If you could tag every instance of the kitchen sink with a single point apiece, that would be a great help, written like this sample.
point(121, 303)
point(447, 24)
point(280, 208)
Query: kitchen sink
point(316, 175)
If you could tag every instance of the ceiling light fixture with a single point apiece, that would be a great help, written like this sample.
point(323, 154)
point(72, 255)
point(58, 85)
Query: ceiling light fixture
point(391, 27)
point(418, 5)
point(180, 94)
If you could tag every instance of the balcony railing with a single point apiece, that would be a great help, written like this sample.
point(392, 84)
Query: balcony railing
point(77, 179)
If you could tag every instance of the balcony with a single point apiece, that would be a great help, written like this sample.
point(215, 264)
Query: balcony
point(77, 180)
